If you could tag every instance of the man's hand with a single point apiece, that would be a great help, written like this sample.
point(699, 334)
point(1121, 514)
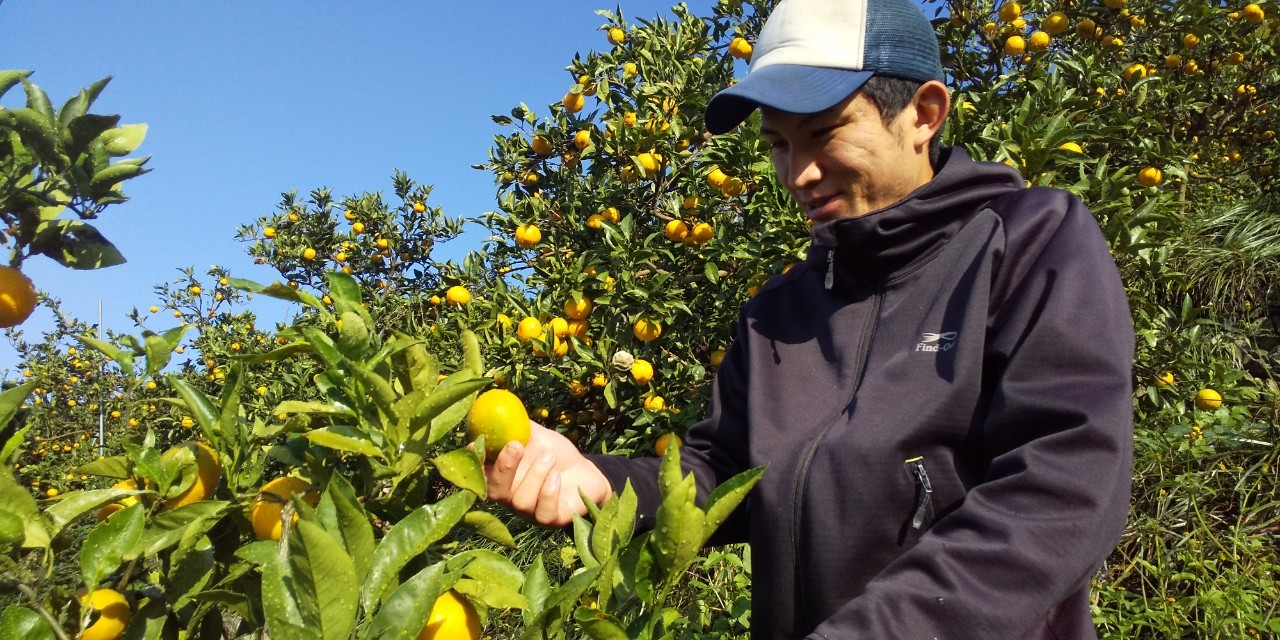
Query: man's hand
point(541, 481)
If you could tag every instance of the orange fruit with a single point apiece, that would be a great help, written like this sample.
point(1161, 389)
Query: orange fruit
point(702, 232)
point(208, 475)
point(582, 139)
point(740, 48)
point(1150, 177)
point(1190, 40)
point(1015, 45)
point(641, 371)
point(616, 36)
point(1208, 399)
point(307, 254)
point(457, 295)
point(577, 308)
point(716, 178)
point(269, 232)
point(528, 329)
point(1253, 14)
point(113, 614)
point(1087, 29)
point(1010, 11)
point(541, 146)
point(500, 417)
point(649, 163)
point(717, 357)
point(573, 102)
point(1055, 23)
point(646, 330)
point(17, 297)
point(676, 230)
point(1073, 147)
point(655, 403)
point(452, 618)
point(528, 235)
point(265, 512)
point(559, 327)
point(733, 187)
point(1039, 41)
point(1165, 379)
point(611, 214)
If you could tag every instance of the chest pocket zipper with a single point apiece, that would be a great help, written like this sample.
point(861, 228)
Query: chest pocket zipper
point(924, 491)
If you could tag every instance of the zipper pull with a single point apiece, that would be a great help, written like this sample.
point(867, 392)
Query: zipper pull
point(926, 492)
point(831, 270)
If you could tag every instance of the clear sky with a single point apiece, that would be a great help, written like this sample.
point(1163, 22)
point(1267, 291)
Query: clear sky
point(246, 100)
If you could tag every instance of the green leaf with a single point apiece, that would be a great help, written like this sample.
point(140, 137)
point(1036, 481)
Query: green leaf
point(464, 469)
point(404, 614)
point(677, 534)
point(417, 368)
point(345, 292)
point(409, 538)
point(472, 361)
point(38, 101)
point(536, 588)
point(202, 409)
point(112, 353)
point(279, 602)
point(378, 388)
point(560, 603)
point(11, 78)
point(75, 504)
point(449, 404)
point(493, 579)
point(582, 541)
point(324, 580)
point(344, 438)
point(21, 622)
point(344, 517)
point(83, 130)
point(190, 570)
point(726, 497)
point(107, 543)
point(36, 133)
point(12, 528)
point(75, 244)
point(13, 398)
point(109, 467)
point(315, 408)
point(78, 104)
point(598, 624)
point(353, 335)
point(168, 527)
point(158, 353)
point(489, 526)
point(124, 140)
point(107, 179)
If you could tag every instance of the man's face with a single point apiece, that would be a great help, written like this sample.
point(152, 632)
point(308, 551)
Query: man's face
point(845, 161)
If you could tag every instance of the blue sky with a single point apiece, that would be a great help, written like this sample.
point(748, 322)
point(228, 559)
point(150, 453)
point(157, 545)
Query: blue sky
point(245, 100)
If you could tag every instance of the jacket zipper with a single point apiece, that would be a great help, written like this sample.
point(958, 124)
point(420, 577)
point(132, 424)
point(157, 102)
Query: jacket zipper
point(802, 474)
point(926, 491)
point(830, 278)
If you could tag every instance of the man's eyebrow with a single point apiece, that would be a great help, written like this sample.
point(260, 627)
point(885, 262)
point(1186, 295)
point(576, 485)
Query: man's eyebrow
point(806, 120)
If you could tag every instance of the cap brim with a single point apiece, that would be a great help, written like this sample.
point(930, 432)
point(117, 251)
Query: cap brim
point(786, 87)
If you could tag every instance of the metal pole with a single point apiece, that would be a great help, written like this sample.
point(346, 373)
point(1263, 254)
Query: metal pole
point(102, 401)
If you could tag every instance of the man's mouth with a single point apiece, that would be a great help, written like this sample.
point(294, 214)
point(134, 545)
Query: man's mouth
point(818, 207)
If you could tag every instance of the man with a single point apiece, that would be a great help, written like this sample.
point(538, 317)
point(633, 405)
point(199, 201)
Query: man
point(941, 392)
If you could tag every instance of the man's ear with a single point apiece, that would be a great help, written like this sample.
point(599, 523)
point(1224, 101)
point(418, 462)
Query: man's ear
point(931, 103)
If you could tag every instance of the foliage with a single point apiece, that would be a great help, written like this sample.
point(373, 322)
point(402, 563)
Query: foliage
point(623, 233)
point(52, 162)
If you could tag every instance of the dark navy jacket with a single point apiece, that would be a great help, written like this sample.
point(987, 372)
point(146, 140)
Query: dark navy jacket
point(942, 394)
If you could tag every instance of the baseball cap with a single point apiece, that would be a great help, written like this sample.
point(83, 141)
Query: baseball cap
point(811, 54)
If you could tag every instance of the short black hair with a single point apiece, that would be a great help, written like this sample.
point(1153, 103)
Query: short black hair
point(891, 96)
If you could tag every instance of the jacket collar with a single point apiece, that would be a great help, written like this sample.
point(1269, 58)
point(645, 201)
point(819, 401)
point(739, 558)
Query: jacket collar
point(898, 238)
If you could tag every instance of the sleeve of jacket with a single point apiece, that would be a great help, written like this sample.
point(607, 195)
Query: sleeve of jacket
point(714, 450)
point(1058, 437)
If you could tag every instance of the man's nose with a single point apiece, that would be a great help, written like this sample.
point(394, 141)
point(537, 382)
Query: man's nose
point(803, 170)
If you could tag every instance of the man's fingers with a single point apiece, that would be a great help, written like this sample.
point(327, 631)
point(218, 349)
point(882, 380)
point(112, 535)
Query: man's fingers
point(527, 489)
point(548, 511)
point(501, 475)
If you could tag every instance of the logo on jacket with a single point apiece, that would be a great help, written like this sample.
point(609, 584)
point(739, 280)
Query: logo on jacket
point(933, 342)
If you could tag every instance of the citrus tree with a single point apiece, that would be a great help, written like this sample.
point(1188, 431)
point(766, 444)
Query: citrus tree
point(622, 243)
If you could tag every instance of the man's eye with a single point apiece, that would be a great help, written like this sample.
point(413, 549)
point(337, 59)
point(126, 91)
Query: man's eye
point(822, 132)
point(777, 144)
